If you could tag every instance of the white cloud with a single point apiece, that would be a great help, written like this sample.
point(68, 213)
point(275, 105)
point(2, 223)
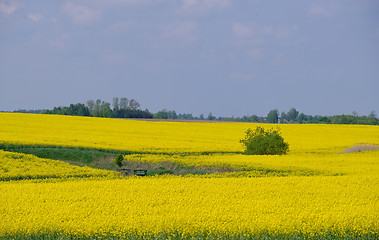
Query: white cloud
point(254, 30)
point(267, 30)
point(35, 17)
point(115, 58)
point(60, 42)
point(37, 38)
point(242, 76)
point(253, 34)
point(80, 14)
point(241, 30)
point(255, 53)
point(182, 31)
point(281, 58)
point(120, 27)
point(283, 32)
point(318, 10)
point(119, 2)
point(203, 5)
point(337, 73)
point(9, 7)
point(250, 33)
point(324, 10)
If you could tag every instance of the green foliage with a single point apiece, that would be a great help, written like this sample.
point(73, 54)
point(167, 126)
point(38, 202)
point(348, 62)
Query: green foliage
point(324, 120)
point(351, 119)
point(264, 142)
point(122, 108)
point(118, 160)
point(164, 114)
point(273, 116)
point(130, 113)
point(76, 156)
point(78, 109)
point(211, 117)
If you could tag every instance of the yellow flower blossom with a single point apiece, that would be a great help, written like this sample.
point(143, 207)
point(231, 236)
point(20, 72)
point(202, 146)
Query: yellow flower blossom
point(315, 190)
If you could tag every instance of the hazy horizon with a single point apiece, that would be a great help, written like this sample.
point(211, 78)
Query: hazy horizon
point(230, 58)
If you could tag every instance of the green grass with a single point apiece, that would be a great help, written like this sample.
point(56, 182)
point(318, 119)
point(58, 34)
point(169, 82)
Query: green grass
point(103, 159)
point(75, 156)
point(80, 155)
point(167, 167)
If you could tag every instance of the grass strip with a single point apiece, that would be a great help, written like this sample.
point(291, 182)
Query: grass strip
point(103, 159)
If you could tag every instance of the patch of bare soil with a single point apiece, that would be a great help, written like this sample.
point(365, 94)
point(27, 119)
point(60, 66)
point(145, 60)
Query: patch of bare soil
point(160, 168)
point(167, 167)
point(361, 147)
point(104, 163)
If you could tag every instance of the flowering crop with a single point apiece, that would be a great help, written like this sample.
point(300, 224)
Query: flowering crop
point(172, 137)
point(321, 163)
point(315, 190)
point(190, 206)
point(16, 166)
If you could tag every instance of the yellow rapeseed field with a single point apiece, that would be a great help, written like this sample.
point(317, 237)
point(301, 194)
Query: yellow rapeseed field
point(144, 136)
point(16, 166)
point(314, 191)
point(190, 206)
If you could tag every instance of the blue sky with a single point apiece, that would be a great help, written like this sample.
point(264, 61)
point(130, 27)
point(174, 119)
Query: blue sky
point(231, 58)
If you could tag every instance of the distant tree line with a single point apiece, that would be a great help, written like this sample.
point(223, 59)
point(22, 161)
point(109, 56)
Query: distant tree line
point(125, 108)
point(78, 109)
point(350, 119)
point(165, 114)
point(292, 116)
point(37, 111)
point(121, 108)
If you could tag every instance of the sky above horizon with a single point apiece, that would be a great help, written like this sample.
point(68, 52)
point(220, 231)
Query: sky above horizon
point(228, 58)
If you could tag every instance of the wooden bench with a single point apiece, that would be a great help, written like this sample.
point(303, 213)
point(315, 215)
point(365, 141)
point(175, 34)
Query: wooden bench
point(140, 172)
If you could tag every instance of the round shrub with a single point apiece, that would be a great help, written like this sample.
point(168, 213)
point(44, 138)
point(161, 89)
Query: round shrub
point(264, 142)
point(118, 160)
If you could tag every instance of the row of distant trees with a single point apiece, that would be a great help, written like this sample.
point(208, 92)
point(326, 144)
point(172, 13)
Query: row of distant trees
point(120, 108)
point(292, 116)
point(125, 108)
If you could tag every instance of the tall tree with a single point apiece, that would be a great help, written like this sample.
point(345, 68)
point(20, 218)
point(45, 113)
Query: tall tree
point(273, 116)
point(372, 114)
point(133, 104)
point(163, 114)
point(283, 118)
point(211, 117)
point(172, 115)
point(301, 118)
point(105, 109)
point(91, 105)
point(124, 102)
point(97, 108)
point(292, 114)
point(115, 104)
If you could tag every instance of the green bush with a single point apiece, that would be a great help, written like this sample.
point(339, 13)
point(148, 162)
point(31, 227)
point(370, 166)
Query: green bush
point(118, 160)
point(264, 142)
